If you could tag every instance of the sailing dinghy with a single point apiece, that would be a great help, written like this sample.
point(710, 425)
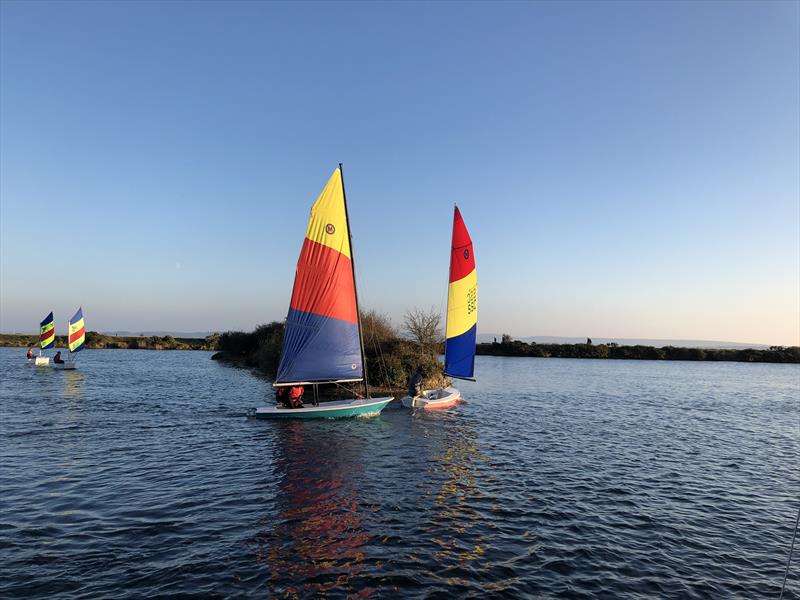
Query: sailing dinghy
point(47, 339)
point(462, 322)
point(323, 342)
point(76, 340)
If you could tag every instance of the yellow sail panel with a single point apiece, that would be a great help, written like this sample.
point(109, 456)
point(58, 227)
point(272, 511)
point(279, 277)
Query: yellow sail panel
point(462, 305)
point(328, 223)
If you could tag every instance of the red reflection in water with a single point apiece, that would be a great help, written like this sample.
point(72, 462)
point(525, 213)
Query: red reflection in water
point(316, 541)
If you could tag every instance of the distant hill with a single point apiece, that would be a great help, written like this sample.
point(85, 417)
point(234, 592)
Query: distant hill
point(550, 339)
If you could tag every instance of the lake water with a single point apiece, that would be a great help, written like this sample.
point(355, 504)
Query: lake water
point(139, 476)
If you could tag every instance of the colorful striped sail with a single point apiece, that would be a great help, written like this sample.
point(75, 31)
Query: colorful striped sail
point(77, 332)
point(47, 332)
point(462, 305)
point(321, 342)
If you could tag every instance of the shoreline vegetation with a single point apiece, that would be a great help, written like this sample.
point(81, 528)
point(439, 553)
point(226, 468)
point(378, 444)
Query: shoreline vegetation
point(96, 340)
point(392, 355)
point(508, 346)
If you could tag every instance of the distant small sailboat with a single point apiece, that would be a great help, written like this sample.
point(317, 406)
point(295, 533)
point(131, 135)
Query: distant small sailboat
point(76, 340)
point(462, 321)
point(323, 342)
point(47, 339)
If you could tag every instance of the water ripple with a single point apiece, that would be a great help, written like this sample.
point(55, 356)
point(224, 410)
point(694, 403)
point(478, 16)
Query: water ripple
point(594, 479)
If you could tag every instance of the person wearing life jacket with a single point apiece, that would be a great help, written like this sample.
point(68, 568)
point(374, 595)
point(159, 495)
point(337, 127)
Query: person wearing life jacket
point(57, 358)
point(30, 353)
point(296, 396)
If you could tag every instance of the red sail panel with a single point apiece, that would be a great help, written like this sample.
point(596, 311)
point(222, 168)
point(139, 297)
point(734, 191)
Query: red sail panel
point(323, 284)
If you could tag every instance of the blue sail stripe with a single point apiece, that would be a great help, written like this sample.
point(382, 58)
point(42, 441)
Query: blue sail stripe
point(459, 355)
point(319, 348)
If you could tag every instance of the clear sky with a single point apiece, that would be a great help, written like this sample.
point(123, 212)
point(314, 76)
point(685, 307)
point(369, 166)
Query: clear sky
point(625, 169)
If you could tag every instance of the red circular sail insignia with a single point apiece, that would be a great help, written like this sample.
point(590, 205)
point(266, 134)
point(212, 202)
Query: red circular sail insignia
point(466, 253)
point(329, 228)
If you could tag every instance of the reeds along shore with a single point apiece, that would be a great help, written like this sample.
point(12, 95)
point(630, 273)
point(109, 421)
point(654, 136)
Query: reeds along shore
point(775, 354)
point(99, 340)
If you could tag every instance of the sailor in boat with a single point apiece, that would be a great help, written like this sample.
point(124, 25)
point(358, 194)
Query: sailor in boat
point(415, 383)
point(290, 397)
point(30, 353)
point(57, 358)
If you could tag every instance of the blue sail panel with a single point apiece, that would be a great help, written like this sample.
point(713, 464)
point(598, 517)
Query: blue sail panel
point(459, 354)
point(319, 348)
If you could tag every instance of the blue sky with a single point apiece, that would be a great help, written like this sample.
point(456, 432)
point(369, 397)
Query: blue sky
point(625, 169)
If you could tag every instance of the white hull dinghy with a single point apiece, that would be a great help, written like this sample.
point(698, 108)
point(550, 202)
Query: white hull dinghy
point(433, 399)
point(462, 322)
point(67, 365)
point(323, 342)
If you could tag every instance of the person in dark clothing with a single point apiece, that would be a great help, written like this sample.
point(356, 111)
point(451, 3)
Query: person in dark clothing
point(282, 397)
point(57, 358)
point(415, 383)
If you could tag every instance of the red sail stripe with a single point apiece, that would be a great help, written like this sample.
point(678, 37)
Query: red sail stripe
point(462, 262)
point(323, 284)
point(47, 335)
point(76, 335)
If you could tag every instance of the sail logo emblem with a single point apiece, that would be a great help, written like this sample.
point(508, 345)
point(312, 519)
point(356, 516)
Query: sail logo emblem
point(472, 300)
point(330, 229)
point(353, 366)
point(466, 253)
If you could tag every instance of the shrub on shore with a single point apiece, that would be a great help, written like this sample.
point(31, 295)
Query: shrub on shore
point(509, 347)
point(390, 358)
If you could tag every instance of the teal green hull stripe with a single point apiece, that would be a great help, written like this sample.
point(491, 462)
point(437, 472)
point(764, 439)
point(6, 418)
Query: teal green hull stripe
point(355, 411)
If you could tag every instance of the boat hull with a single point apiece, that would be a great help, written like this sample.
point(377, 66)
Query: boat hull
point(65, 366)
point(41, 361)
point(434, 399)
point(339, 409)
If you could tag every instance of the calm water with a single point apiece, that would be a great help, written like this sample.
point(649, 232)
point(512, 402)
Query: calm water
point(139, 476)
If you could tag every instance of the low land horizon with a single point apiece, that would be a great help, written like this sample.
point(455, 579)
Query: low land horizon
point(481, 338)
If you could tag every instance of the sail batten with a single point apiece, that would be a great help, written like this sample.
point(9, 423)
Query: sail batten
point(462, 304)
point(321, 342)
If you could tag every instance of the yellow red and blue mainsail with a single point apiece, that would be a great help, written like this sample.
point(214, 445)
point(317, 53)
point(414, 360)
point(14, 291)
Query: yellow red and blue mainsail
point(47, 332)
point(462, 305)
point(322, 341)
point(77, 332)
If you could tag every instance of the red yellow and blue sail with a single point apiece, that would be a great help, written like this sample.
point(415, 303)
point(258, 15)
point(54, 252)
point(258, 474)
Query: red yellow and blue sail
point(462, 305)
point(321, 341)
point(47, 332)
point(77, 332)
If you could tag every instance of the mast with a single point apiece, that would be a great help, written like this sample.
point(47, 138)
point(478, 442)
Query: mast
point(355, 285)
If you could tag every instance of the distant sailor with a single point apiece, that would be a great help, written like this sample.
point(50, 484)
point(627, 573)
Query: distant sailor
point(57, 358)
point(415, 383)
point(30, 353)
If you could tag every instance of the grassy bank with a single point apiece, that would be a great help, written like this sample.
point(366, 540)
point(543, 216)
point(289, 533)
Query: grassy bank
point(391, 359)
point(98, 340)
point(775, 354)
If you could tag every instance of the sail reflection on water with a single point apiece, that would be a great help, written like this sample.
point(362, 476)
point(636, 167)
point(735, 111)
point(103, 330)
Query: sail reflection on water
point(73, 384)
point(316, 541)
